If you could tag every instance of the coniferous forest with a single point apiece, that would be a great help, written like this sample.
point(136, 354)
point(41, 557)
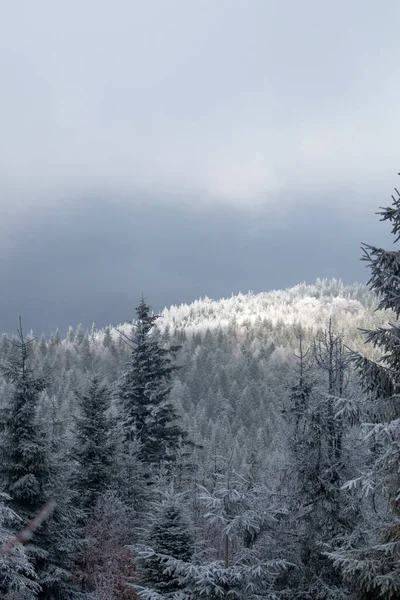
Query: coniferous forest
point(244, 449)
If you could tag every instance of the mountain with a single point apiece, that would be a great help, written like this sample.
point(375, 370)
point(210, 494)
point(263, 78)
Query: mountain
point(236, 359)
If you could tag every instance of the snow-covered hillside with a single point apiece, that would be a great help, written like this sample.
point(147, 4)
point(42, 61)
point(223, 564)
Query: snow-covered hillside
point(310, 306)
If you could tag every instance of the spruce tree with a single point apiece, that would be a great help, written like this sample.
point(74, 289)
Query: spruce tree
point(107, 339)
point(371, 562)
point(238, 559)
point(316, 434)
point(18, 579)
point(170, 535)
point(27, 471)
point(24, 462)
point(93, 449)
point(70, 335)
point(143, 391)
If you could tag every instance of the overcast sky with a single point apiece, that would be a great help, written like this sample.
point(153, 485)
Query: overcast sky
point(189, 147)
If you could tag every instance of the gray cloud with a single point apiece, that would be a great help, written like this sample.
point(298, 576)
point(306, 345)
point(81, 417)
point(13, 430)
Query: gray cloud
point(238, 99)
point(90, 261)
point(188, 148)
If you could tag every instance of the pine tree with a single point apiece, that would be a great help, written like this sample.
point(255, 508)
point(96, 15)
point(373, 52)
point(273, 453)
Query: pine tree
point(170, 535)
point(18, 579)
point(86, 354)
point(43, 346)
point(107, 339)
point(316, 508)
point(143, 391)
point(24, 462)
point(93, 450)
point(372, 563)
point(70, 335)
point(26, 469)
point(239, 559)
point(79, 335)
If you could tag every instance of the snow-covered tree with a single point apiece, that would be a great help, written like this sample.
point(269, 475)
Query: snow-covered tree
point(318, 515)
point(93, 447)
point(237, 557)
point(371, 563)
point(109, 569)
point(23, 456)
point(143, 391)
point(18, 579)
point(26, 469)
point(170, 535)
point(79, 335)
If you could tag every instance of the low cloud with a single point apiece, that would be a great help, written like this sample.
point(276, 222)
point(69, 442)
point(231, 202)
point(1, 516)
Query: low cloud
point(233, 102)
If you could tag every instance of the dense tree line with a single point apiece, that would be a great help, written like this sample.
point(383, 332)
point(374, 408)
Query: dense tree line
point(246, 449)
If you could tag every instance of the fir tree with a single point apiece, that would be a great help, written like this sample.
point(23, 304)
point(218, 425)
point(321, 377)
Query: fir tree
point(86, 355)
point(107, 339)
point(70, 335)
point(26, 468)
point(18, 579)
point(170, 535)
point(316, 508)
point(143, 391)
point(238, 560)
point(24, 462)
point(372, 563)
point(57, 338)
point(43, 346)
point(93, 450)
point(79, 335)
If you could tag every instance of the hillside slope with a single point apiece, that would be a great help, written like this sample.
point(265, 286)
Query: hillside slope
point(236, 359)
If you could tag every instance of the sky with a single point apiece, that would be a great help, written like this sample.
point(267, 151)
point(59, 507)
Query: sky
point(183, 148)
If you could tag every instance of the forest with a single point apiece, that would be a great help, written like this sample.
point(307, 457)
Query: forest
point(245, 448)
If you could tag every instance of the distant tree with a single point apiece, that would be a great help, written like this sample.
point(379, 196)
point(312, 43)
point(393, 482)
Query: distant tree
point(109, 343)
point(107, 339)
point(57, 337)
point(70, 335)
point(86, 353)
point(79, 335)
point(43, 346)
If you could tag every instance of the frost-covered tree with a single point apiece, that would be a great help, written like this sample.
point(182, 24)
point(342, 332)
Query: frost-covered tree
point(23, 456)
point(108, 341)
point(109, 568)
point(170, 535)
point(70, 335)
point(26, 474)
point(18, 580)
point(93, 447)
point(79, 335)
point(237, 557)
point(371, 563)
point(143, 391)
point(57, 337)
point(86, 354)
point(318, 516)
